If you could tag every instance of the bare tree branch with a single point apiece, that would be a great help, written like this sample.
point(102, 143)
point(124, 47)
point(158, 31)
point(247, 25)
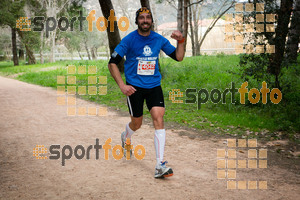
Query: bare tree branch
point(172, 3)
point(215, 21)
point(195, 3)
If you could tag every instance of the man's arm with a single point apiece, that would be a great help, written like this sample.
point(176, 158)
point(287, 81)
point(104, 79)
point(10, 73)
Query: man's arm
point(114, 71)
point(177, 35)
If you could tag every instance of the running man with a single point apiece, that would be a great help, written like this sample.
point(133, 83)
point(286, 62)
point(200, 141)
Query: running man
point(142, 48)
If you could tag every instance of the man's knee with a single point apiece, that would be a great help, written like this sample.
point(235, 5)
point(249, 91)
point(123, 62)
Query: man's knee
point(159, 120)
point(136, 124)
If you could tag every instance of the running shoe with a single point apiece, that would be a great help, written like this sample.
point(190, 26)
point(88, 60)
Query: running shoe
point(162, 170)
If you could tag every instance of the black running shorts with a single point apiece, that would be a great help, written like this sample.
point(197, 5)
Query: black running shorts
point(153, 96)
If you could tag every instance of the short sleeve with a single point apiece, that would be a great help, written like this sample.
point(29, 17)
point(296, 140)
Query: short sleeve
point(122, 47)
point(167, 47)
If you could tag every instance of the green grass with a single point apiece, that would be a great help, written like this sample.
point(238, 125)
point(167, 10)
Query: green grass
point(7, 68)
point(207, 72)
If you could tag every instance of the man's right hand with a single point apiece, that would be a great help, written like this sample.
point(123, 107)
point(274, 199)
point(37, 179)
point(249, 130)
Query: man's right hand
point(128, 90)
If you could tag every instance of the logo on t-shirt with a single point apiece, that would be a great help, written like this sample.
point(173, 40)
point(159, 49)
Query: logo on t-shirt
point(147, 51)
point(114, 54)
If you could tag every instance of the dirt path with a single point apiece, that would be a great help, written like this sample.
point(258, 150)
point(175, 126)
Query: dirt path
point(29, 117)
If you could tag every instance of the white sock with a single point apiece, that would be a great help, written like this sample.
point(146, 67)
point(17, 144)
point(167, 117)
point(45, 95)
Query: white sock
point(159, 142)
point(129, 132)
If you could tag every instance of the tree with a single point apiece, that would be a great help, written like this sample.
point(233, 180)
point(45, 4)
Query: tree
point(182, 18)
point(179, 16)
point(113, 36)
point(28, 39)
point(72, 42)
point(219, 14)
point(294, 34)
point(145, 3)
point(56, 8)
point(10, 11)
point(273, 62)
point(191, 30)
point(86, 47)
point(5, 42)
point(38, 9)
point(125, 8)
point(183, 13)
point(280, 38)
point(185, 21)
point(195, 15)
point(14, 46)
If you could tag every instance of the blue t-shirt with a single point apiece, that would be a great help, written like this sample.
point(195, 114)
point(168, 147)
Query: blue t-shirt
point(141, 65)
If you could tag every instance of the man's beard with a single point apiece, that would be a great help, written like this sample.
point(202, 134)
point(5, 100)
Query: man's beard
point(140, 27)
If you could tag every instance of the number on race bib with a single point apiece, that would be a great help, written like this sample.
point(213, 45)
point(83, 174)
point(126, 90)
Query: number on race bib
point(146, 67)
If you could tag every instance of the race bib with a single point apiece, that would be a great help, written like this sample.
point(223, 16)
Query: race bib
point(146, 67)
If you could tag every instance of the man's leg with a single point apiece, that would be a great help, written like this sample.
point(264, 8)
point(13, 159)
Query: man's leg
point(135, 104)
point(131, 127)
point(161, 170)
point(136, 123)
point(157, 114)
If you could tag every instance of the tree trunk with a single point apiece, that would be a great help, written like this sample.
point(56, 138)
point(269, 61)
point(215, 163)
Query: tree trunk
point(185, 20)
point(154, 28)
point(14, 46)
point(31, 58)
point(52, 34)
point(21, 54)
point(280, 38)
point(93, 53)
point(145, 3)
point(41, 47)
point(87, 49)
point(113, 37)
point(192, 30)
point(196, 35)
point(29, 53)
point(179, 16)
point(294, 35)
point(79, 54)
